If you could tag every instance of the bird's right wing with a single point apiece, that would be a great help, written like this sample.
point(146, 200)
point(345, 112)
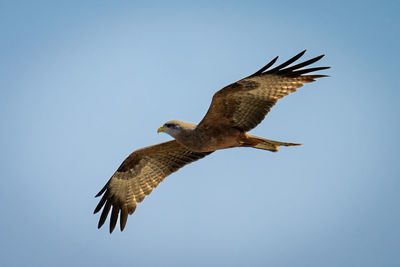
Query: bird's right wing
point(138, 175)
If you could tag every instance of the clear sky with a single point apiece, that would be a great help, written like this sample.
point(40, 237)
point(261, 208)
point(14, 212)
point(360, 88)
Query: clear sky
point(84, 83)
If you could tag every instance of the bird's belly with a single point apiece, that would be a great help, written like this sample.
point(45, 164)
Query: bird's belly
point(212, 142)
point(222, 142)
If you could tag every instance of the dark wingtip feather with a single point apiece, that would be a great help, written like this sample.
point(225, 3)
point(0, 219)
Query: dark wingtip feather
point(101, 203)
point(265, 67)
point(293, 71)
point(288, 62)
point(304, 71)
point(104, 214)
point(102, 190)
point(123, 217)
point(318, 76)
point(303, 64)
point(114, 218)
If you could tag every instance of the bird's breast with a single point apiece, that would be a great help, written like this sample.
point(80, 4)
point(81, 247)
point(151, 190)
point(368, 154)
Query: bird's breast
point(211, 140)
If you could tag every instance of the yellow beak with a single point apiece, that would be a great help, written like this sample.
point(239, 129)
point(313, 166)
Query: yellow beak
point(160, 129)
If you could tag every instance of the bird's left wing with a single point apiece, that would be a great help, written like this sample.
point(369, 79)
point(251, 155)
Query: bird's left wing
point(244, 104)
point(138, 175)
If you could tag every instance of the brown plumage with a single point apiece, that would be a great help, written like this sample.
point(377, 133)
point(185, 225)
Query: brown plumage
point(138, 175)
point(234, 110)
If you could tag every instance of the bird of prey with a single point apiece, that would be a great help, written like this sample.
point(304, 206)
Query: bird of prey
point(234, 110)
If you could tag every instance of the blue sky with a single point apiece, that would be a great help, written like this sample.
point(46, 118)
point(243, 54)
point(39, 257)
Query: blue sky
point(85, 83)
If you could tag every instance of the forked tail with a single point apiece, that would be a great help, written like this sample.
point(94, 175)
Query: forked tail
point(263, 143)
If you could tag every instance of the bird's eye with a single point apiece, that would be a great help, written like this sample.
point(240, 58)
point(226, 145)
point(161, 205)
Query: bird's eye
point(170, 125)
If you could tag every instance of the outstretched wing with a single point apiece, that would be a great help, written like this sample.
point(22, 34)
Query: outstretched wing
point(244, 104)
point(138, 175)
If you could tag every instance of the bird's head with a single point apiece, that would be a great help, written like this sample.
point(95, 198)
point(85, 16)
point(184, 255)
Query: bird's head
point(174, 128)
point(171, 127)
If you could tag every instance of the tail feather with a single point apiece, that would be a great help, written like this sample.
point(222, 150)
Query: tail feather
point(266, 144)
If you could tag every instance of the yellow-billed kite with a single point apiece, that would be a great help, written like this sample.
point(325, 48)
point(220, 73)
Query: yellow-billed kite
point(234, 110)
